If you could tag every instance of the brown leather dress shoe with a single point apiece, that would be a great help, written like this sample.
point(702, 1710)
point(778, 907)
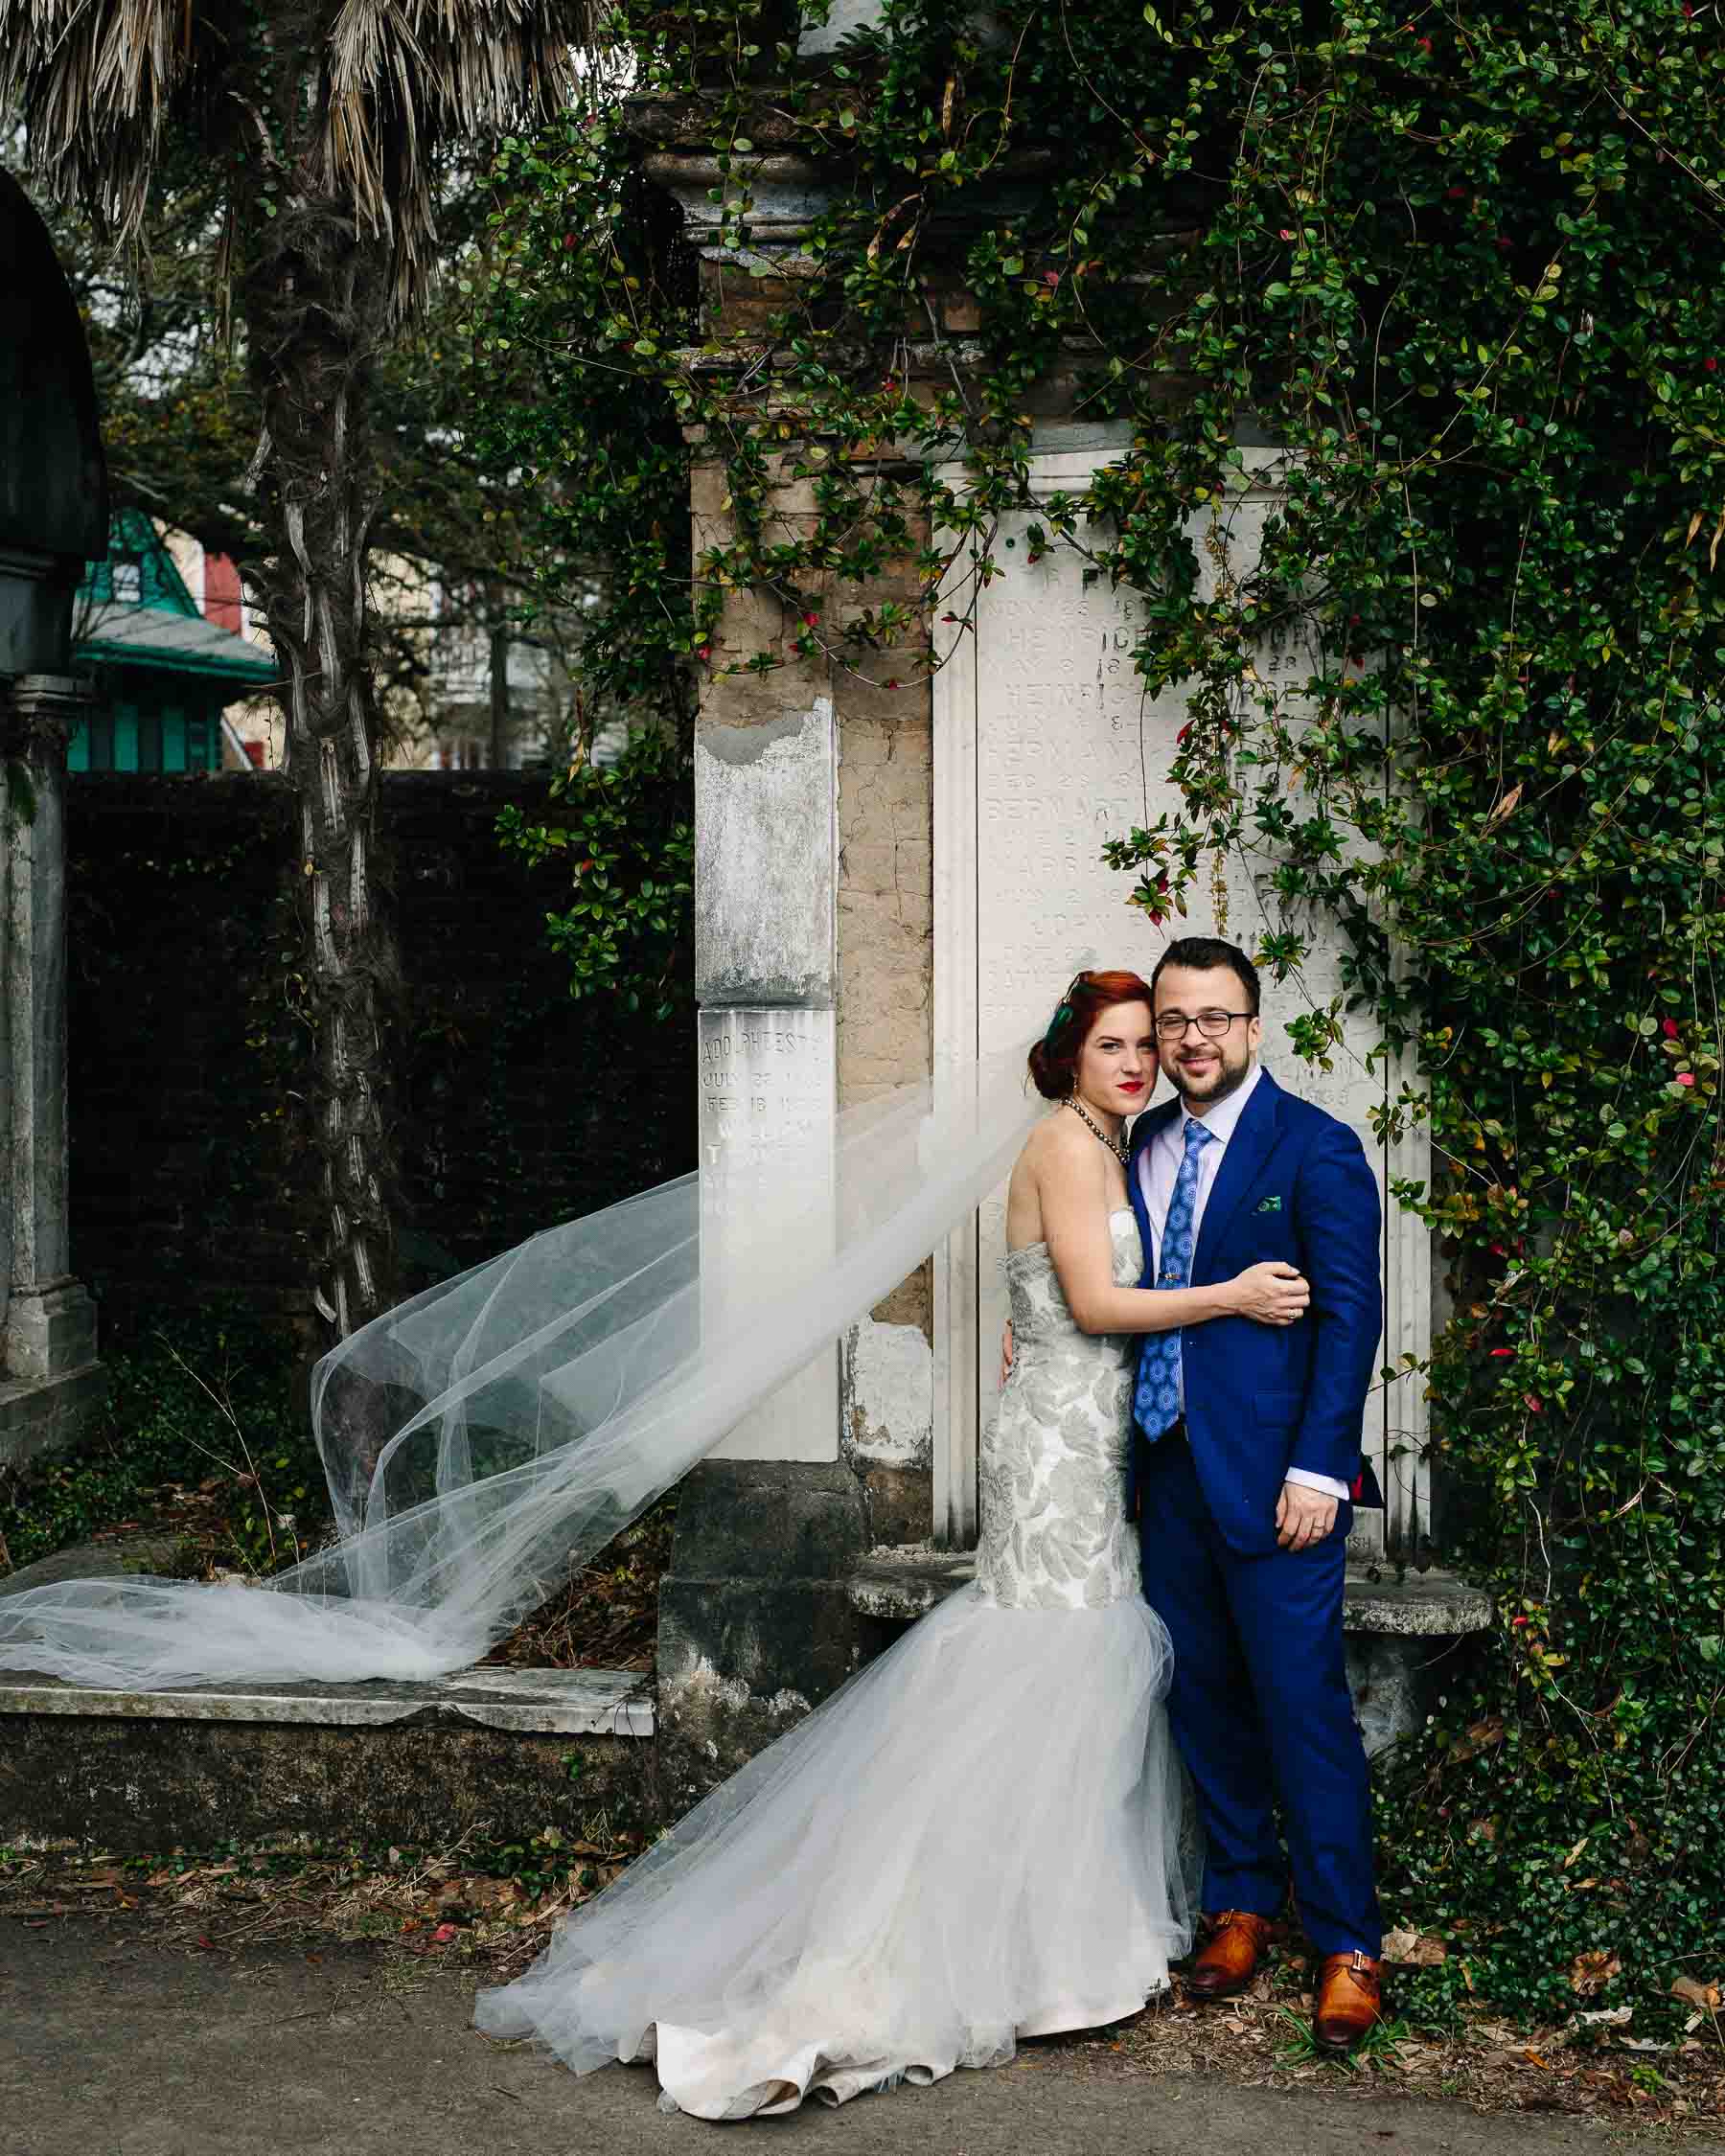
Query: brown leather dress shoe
point(1349, 2000)
point(1228, 1958)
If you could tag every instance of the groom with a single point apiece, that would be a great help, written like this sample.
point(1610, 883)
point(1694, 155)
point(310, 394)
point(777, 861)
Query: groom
point(1246, 1463)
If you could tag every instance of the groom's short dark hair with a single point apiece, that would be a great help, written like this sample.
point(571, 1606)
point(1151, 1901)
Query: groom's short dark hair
point(1202, 953)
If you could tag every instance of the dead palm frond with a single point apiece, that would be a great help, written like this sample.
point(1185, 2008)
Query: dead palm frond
point(350, 101)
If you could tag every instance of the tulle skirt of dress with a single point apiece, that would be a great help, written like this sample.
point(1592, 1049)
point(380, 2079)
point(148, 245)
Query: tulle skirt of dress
point(983, 1835)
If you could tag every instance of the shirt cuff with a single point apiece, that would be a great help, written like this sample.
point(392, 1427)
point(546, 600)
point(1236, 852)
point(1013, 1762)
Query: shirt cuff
point(1327, 1484)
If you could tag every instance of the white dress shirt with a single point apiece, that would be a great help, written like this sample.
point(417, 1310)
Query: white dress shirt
point(1158, 1165)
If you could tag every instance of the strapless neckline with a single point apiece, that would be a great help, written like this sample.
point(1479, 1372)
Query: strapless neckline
point(1115, 1212)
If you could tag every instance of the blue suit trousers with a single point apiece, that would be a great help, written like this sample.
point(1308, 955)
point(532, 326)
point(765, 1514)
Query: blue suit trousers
point(1260, 1708)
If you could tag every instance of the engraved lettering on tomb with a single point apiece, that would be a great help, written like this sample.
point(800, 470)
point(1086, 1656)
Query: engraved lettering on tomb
point(1069, 751)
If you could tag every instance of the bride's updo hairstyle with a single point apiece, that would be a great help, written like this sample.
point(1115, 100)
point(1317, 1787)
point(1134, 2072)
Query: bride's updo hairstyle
point(1053, 1062)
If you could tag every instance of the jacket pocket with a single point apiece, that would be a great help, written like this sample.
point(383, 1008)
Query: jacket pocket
point(1280, 1410)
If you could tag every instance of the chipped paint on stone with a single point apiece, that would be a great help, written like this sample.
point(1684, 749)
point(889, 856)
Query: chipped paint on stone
point(886, 1395)
point(764, 856)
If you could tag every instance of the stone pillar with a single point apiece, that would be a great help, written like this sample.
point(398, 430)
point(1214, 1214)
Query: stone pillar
point(755, 1622)
point(50, 1378)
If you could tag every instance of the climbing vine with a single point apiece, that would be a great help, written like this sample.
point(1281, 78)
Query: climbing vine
point(1465, 267)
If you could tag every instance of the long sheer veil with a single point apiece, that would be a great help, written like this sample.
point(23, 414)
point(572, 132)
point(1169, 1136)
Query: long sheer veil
point(487, 1436)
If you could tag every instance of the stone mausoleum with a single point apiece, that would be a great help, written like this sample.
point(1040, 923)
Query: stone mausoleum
point(53, 519)
point(887, 873)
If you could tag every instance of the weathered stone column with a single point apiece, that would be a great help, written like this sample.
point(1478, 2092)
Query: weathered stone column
point(51, 1378)
point(755, 1624)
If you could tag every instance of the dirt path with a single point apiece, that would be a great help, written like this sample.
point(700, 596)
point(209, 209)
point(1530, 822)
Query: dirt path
point(119, 2035)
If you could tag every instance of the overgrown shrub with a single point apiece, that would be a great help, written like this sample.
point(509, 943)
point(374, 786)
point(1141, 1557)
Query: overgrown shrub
point(204, 1431)
point(1468, 267)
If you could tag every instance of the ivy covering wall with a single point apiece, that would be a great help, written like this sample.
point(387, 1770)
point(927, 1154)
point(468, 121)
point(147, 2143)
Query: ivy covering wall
point(1466, 265)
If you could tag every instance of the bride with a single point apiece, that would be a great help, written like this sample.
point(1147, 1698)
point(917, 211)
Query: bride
point(984, 1834)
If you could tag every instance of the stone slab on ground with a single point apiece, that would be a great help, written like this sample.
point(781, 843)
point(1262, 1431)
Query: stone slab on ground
point(543, 1702)
point(203, 1764)
point(110, 2048)
point(406, 1763)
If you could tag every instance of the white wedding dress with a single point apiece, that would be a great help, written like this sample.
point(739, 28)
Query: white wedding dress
point(983, 1835)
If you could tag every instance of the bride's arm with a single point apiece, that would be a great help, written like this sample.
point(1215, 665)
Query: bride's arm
point(1073, 1187)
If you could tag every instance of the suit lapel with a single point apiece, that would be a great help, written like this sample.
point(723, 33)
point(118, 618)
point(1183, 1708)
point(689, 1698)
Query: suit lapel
point(1248, 1150)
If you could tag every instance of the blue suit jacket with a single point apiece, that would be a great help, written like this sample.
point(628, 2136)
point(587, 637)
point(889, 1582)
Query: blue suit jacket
point(1293, 1183)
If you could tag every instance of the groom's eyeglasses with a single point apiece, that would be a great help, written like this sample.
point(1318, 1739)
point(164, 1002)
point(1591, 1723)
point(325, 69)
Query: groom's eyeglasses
point(1212, 1024)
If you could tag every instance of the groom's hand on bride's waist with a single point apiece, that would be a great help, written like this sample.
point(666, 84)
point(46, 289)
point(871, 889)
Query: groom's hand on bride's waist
point(1303, 1516)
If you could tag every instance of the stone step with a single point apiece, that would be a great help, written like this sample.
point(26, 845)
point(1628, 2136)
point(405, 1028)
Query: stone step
point(904, 1581)
point(47, 1414)
point(487, 1748)
point(1399, 1627)
point(490, 1750)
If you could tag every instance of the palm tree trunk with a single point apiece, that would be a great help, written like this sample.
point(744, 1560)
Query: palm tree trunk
point(316, 305)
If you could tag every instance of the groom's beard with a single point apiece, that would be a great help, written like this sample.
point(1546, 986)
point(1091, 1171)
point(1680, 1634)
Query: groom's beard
point(1224, 1077)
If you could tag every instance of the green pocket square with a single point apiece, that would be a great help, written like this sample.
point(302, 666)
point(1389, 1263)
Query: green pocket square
point(1268, 1206)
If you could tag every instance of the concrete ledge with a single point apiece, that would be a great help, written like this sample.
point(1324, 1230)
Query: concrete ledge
point(484, 1750)
point(1417, 1605)
point(544, 1702)
point(900, 1584)
point(908, 1581)
point(47, 1414)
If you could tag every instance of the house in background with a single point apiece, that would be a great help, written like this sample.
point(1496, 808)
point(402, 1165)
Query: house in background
point(183, 668)
point(166, 668)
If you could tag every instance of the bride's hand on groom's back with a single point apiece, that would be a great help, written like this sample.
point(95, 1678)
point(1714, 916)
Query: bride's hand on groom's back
point(1272, 1294)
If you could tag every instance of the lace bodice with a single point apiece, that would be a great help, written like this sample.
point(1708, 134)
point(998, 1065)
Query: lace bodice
point(1052, 1473)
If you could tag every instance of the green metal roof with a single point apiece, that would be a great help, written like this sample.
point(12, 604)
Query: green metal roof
point(117, 635)
point(162, 627)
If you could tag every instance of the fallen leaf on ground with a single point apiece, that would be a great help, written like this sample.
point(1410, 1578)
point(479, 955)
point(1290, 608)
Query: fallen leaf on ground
point(1696, 1994)
point(1593, 1971)
point(1414, 1950)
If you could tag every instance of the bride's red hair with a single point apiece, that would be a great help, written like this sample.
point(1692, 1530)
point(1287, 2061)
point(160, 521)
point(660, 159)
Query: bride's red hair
point(1054, 1059)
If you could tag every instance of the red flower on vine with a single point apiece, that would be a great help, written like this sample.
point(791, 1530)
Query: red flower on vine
point(808, 620)
point(1712, 366)
point(1686, 1077)
point(1502, 1354)
point(1535, 1406)
point(1671, 1028)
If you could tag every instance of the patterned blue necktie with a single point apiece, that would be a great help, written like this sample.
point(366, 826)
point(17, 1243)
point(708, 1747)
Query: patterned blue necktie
point(1156, 1403)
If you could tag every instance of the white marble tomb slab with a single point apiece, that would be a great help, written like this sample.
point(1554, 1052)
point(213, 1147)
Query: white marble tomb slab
point(1046, 745)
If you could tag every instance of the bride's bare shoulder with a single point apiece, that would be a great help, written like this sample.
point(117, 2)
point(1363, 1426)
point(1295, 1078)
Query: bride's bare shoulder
point(1056, 1140)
